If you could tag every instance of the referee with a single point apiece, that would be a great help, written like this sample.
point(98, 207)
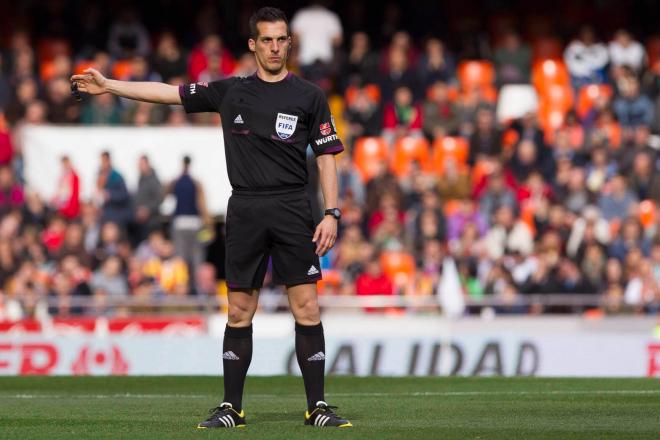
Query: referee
point(268, 120)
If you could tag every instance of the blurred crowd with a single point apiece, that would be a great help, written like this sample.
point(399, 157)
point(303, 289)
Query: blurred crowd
point(532, 164)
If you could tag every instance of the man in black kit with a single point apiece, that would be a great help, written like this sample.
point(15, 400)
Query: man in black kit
point(268, 120)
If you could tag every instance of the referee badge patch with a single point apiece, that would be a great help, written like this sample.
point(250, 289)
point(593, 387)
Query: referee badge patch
point(285, 125)
point(325, 129)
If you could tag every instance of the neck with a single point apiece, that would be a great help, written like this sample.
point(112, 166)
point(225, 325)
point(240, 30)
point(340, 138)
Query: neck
point(267, 76)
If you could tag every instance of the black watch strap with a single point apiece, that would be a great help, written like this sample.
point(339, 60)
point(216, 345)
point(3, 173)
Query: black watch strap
point(335, 212)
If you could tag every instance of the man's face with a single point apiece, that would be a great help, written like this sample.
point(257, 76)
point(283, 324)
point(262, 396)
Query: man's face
point(271, 48)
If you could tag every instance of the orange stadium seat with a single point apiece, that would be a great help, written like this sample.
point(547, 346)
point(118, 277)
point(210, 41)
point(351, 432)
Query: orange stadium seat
point(510, 138)
point(476, 74)
point(547, 72)
point(331, 279)
point(647, 213)
point(408, 150)
point(653, 53)
point(448, 146)
point(558, 97)
point(398, 265)
point(451, 207)
point(337, 107)
point(368, 154)
point(49, 48)
point(372, 91)
point(122, 69)
point(547, 48)
point(82, 65)
point(46, 70)
point(588, 95)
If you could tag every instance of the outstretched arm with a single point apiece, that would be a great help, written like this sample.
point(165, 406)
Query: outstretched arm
point(93, 82)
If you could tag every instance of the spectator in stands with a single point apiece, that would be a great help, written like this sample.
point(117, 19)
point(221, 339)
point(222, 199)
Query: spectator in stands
point(439, 116)
point(645, 179)
point(625, 51)
point(169, 270)
point(435, 64)
point(112, 194)
point(101, 110)
point(576, 195)
point(11, 193)
point(210, 46)
point(571, 280)
point(317, 32)
point(632, 108)
point(245, 66)
point(586, 59)
point(349, 181)
point(642, 290)
point(601, 169)
point(465, 215)
point(629, 238)
point(363, 115)
point(508, 234)
point(455, 181)
point(169, 60)
point(190, 219)
point(108, 280)
point(397, 73)
point(616, 201)
point(62, 108)
point(147, 198)
point(361, 64)
point(527, 159)
point(486, 139)
point(497, 194)
point(373, 281)
point(26, 92)
point(403, 117)
point(66, 200)
point(206, 283)
point(128, 37)
point(513, 60)
point(349, 251)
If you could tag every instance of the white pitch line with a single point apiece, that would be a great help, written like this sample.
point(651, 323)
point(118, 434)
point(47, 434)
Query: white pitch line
point(413, 394)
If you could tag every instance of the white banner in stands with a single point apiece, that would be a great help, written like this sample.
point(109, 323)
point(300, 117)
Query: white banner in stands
point(393, 353)
point(44, 145)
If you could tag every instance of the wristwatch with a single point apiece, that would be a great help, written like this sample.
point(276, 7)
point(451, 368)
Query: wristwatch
point(335, 212)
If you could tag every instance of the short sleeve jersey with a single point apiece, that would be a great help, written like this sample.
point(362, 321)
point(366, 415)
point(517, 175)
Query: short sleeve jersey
point(267, 127)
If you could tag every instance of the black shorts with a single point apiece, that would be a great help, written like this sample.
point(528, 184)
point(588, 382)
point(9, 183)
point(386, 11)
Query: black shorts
point(279, 225)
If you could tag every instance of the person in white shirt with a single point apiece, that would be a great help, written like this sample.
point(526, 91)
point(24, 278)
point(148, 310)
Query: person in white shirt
point(318, 31)
point(624, 51)
point(586, 59)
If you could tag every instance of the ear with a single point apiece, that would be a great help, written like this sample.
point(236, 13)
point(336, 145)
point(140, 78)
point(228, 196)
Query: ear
point(252, 45)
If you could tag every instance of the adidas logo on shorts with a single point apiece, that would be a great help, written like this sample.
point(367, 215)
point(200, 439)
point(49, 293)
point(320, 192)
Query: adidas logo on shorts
point(238, 120)
point(320, 356)
point(230, 356)
point(312, 271)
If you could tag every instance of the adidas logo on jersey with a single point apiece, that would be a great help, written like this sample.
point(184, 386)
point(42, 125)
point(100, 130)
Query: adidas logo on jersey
point(238, 119)
point(312, 271)
point(320, 356)
point(230, 356)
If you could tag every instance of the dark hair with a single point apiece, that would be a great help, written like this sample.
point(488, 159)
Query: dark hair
point(270, 15)
point(186, 160)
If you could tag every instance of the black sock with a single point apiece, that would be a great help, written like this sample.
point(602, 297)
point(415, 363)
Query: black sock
point(236, 357)
point(310, 351)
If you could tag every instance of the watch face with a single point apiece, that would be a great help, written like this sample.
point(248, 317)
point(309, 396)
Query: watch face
point(336, 212)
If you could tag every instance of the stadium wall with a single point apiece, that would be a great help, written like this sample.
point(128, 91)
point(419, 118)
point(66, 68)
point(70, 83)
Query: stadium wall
point(371, 345)
point(43, 146)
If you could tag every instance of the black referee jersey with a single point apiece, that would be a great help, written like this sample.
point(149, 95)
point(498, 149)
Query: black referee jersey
point(267, 127)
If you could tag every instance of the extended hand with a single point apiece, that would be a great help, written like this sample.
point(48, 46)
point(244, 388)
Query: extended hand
point(325, 235)
point(91, 81)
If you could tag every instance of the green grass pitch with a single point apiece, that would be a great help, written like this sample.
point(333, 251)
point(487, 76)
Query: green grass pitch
point(401, 408)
